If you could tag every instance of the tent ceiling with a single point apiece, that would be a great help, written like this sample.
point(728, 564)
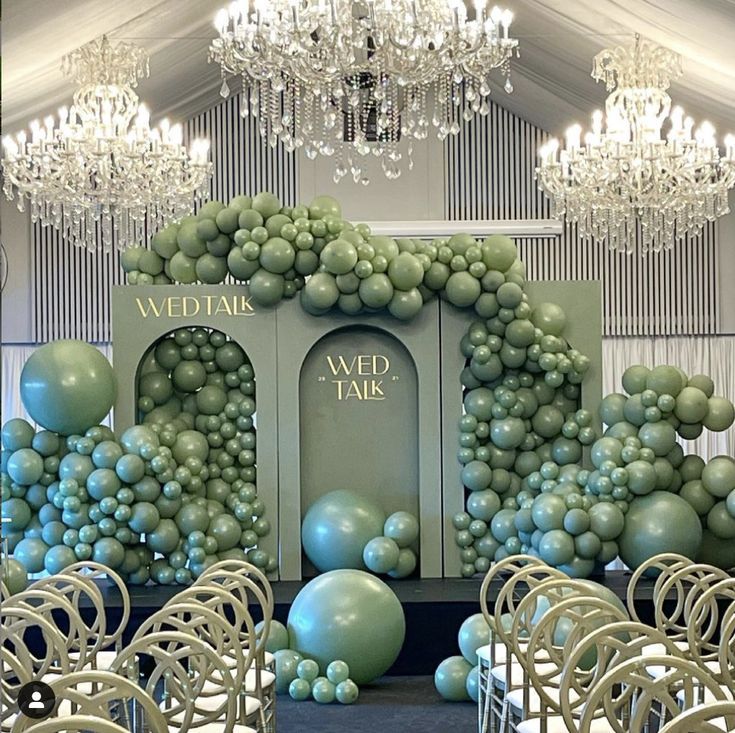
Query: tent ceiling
point(552, 79)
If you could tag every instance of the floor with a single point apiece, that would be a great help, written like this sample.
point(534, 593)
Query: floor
point(390, 705)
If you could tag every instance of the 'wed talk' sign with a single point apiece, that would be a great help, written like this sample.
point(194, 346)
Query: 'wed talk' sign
point(363, 377)
point(188, 306)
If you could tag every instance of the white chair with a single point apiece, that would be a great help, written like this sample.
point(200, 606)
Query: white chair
point(76, 724)
point(714, 717)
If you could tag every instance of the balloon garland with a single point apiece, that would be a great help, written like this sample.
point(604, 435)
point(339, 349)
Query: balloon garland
point(182, 484)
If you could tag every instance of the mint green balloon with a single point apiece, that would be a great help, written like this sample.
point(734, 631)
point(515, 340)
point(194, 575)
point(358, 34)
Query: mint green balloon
point(308, 670)
point(336, 528)
point(67, 386)
point(286, 663)
point(381, 555)
point(347, 692)
point(348, 615)
point(323, 205)
point(323, 691)
point(337, 671)
point(299, 690)
point(450, 679)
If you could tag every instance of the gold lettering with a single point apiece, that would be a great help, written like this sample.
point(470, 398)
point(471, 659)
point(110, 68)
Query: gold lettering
point(185, 301)
point(246, 309)
point(173, 302)
point(223, 307)
point(354, 391)
point(150, 309)
point(208, 299)
point(386, 365)
point(341, 365)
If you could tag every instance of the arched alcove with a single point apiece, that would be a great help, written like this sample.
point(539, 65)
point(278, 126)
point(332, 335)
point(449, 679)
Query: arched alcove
point(359, 420)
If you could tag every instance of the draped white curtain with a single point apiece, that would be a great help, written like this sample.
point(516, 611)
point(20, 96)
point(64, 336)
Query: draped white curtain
point(714, 356)
point(14, 356)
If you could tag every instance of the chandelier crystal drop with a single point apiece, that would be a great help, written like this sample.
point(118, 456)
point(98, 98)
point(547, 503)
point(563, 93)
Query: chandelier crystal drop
point(102, 174)
point(642, 166)
point(351, 79)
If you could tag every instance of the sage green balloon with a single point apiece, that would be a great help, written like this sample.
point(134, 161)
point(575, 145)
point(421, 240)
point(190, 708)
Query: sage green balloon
point(720, 523)
point(697, 496)
point(286, 663)
point(347, 692)
point(659, 436)
point(508, 433)
point(226, 530)
point(207, 229)
point(473, 634)
point(462, 289)
point(239, 267)
point(483, 505)
point(108, 551)
point(381, 555)
point(405, 271)
point(277, 255)
point(266, 204)
point(14, 575)
point(67, 386)
point(164, 538)
point(190, 243)
point(339, 257)
point(17, 433)
point(498, 252)
point(450, 679)
point(405, 305)
point(25, 466)
point(718, 476)
point(716, 551)
point(664, 379)
point(702, 382)
point(611, 408)
point(150, 262)
point(164, 242)
point(376, 291)
point(323, 205)
point(476, 475)
point(384, 247)
point(648, 528)
point(267, 288)
point(720, 414)
point(183, 268)
point(210, 269)
point(556, 547)
point(336, 528)
point(402, 527)
point(320, 291)
point(144, 517)
point(547, 421)
point(691, 405)
point(348, 615)
point(606, 521)
point(406, 564)
point(277, 636)
point(550, 318)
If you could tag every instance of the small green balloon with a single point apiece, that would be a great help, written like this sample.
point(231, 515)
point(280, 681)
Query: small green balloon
point(381, 555)
point(266, 204)
point(308, 670)
point(406, 564)
point(323, 691)
point(462, 289)
point(450, 679)
point(718, 476)
point(277, 636)
point(402, 528)
point(337, 671)
point(347, 692)
point(299, 690)
point(286, 664)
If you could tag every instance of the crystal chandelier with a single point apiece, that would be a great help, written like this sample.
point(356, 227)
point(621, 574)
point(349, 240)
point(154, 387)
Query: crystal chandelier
point(351, 78)
point(102, 172)
point(625, 173)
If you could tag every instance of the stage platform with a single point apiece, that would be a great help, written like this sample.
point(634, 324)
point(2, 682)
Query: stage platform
point(434, 608)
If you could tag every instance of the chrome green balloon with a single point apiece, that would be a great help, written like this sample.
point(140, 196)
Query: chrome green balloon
point(347, 692)
point(648, 527)
point(406, 564)
point(336, 528)
point(299, 690)
point(286, 663)
point(67, 386)
point(337, 671)
point(323, 691)
point(381, 555)
point(450, 679)
point(403, 528)
point(348, 615)
point(308, 670)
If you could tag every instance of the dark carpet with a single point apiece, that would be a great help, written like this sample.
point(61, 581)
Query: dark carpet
point(390, 705)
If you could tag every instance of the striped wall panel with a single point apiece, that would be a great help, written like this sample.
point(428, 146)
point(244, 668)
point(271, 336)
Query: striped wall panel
point(72, 286)
point(489, 174)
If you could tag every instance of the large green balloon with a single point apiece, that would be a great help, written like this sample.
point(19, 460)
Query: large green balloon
point(498, 252)
point(450, 679)
point(720, 414)
point(323, 205)
point(348, 615)
point(336, 528)
point(718, 476)
point(67, 386)
point(462, 289)
point(656, 523)
point(402, 527)
point(550, 318)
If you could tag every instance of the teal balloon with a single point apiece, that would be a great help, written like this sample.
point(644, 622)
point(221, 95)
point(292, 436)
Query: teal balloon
point(308, 670)
point(450, 679)
point(473, 633)
point(25, 466)
point(473, 683)
point(18, 512)
point(30, 553)
point(657, 523)
point(286, 662)
point(348, 615)
point(381, 555)
point(67, 386)
point(299, 690)
point(108, 551)
point(336, 528)
point(606, 521)
point(402, 527)
point(476, 475)
point(58, 558)
point(16, 434)
point(337, 671)
point(556, 547)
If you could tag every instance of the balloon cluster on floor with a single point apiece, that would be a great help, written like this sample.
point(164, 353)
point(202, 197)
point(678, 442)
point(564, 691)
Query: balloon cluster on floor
point(345, 628)
point(343, 529)
point(167, 499)
point(276, 248)
point(527, 493)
